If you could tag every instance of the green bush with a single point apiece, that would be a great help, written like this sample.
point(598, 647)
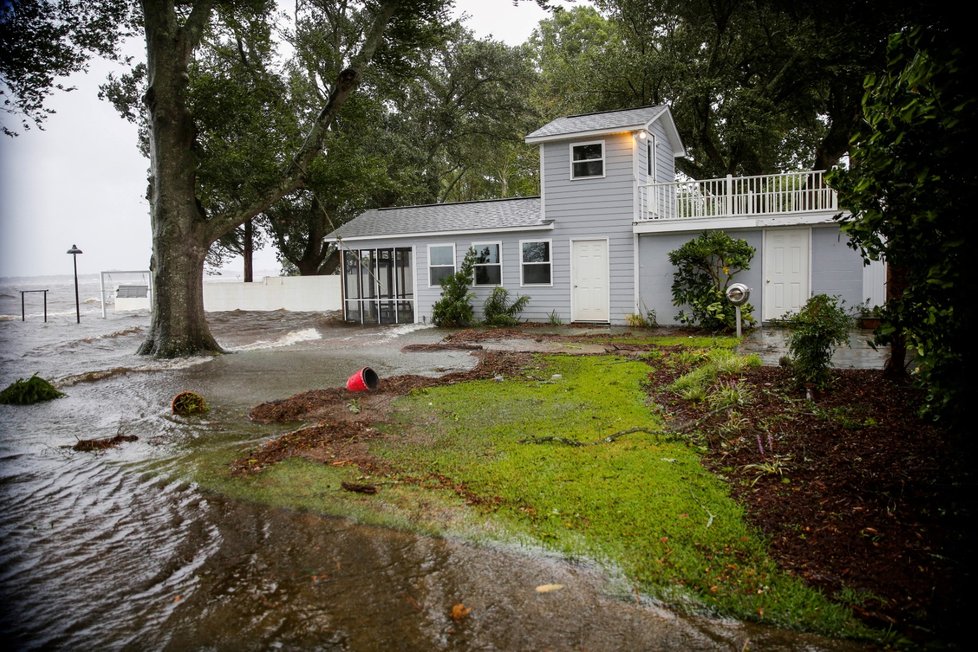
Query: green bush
point(816, 330)
point(454, 309)
point(705, 267)
point(32, 390)
point(499, 312)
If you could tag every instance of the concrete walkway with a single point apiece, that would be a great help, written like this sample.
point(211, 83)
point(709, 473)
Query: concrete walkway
point(770, 343)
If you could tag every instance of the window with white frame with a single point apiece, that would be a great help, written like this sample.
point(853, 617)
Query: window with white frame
point(488, 263)
point(587, 160)
point(441, 263)
point(535, 262)
point(651, 162)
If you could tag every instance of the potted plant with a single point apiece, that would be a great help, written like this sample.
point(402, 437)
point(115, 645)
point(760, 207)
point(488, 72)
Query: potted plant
point(869, 317)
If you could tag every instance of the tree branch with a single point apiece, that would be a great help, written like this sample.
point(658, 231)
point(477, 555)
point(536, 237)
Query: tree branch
point(293, 176)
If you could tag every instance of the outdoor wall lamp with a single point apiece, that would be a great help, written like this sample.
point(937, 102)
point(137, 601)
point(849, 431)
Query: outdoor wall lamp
point(74, 251)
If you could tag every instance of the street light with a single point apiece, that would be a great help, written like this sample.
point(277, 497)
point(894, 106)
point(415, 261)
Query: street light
point(74, 251)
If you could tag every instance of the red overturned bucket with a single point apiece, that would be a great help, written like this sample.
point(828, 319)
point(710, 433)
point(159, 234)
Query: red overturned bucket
point(363, 380)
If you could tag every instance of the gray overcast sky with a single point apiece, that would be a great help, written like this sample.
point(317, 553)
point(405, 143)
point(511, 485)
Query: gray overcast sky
point(82, 181)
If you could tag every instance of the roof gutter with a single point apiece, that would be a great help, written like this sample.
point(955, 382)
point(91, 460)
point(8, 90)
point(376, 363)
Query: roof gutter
point(547, 226)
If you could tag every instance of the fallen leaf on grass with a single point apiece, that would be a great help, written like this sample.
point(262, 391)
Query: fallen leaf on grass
point(459, 612)
point(549, 588)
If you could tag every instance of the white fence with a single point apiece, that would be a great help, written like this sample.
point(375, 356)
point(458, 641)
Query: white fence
point(294, 293)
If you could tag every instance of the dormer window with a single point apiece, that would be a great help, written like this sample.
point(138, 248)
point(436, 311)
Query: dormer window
point(587, 160)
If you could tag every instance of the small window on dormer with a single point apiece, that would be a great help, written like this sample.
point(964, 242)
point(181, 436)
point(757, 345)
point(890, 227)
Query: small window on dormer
point(587, 160)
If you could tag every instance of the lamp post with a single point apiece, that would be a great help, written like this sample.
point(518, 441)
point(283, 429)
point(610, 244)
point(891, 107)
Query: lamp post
point(74, 251)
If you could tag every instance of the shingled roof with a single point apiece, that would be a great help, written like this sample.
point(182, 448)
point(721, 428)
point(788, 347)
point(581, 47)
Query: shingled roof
point(521, 213)
point(624, 120)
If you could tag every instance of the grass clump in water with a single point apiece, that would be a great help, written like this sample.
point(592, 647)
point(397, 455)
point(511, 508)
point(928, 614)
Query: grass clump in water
point(29, 391)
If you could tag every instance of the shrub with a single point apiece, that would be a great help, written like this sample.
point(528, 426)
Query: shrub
point(705, 267)
point(816, 330)
point(454, 309)
point(499, 312)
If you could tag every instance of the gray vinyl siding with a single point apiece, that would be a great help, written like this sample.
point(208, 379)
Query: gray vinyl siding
point(656, 272)
point(593, 208)
point(837, 269)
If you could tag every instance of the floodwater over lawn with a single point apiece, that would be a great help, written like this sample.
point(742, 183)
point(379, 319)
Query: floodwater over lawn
point(118, 549)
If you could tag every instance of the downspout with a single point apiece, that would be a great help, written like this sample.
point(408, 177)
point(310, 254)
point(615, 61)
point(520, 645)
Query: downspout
point(543, 193)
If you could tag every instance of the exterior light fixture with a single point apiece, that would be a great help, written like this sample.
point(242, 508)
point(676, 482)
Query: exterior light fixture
point(642, 135)
point(74, 251)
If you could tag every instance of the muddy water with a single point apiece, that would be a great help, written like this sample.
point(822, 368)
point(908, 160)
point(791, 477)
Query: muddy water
point(118, 550)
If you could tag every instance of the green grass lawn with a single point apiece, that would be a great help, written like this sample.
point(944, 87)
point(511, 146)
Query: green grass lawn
point(641, 503)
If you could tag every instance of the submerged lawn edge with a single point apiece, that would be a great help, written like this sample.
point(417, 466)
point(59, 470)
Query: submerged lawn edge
point(672, 541)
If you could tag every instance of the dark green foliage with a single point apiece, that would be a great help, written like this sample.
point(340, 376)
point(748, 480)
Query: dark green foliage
point(499, 312)
point(819, 327)
point(26, 392)
point(911, 196)
point(705, 267)
point(454, 309)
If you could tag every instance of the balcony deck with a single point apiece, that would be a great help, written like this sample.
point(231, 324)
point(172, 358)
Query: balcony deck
point(797, 194)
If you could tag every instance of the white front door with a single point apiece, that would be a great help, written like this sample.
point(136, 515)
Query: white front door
point(589, 280)
point(786, 256)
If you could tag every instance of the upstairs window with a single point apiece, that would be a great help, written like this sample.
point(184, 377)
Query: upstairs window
point(587, 160)
point(441, 263)
point(488, 263)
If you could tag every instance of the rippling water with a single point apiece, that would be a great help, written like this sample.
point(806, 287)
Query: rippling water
point(116, 550)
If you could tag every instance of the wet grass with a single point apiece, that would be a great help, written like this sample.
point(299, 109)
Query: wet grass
point(571, 458)
point(642, 502)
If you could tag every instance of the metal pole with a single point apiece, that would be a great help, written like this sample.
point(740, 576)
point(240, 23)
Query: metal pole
point(22, 305)
point(74, 251)
point(74, 257)
point(737, 311)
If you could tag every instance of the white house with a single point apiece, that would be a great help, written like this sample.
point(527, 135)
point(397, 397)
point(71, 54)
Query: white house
point(593, 247)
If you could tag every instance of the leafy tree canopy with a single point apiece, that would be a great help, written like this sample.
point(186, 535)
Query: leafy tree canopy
point(911, 191)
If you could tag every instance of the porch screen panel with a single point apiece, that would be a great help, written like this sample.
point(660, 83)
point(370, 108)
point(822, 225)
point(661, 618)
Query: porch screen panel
point(404, 281)
point(368, 286)
point(351, 286)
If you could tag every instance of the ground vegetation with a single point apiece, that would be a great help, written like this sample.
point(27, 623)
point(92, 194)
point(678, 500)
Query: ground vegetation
point(849, 515)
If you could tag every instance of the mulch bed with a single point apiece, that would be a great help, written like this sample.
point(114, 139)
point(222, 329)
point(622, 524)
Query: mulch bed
point(852, 489)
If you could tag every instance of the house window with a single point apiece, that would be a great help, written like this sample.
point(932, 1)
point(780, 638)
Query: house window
point(651, 157)
point(535, 262)
point(587, 160)
point(488, 263)
point(441, 263)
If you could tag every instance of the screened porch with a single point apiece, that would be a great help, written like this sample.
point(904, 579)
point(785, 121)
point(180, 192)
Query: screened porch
point(378, 286)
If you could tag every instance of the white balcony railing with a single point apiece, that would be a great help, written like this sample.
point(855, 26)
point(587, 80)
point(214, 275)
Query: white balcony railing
point(770, 194)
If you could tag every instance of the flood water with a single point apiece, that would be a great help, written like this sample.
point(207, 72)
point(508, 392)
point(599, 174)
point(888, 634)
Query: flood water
point(120, 550)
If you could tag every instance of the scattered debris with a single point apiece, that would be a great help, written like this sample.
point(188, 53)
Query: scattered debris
point(460, 612)
point(359, 488)
point(103, 443)
point(186, 404)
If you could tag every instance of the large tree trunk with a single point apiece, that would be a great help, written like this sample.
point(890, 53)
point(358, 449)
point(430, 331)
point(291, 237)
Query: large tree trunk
point(178, 326)
point(182, 232)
